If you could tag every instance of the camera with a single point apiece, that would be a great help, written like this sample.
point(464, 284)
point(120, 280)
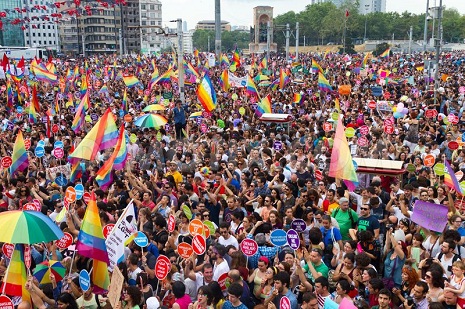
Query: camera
point(389, 227)
point(410, 302)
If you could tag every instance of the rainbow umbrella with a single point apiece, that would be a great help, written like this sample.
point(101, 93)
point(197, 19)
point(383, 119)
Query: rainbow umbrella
point(195, 115)
point(43, 270)
point(27, 227)
point(154, 107)
point(150, 121)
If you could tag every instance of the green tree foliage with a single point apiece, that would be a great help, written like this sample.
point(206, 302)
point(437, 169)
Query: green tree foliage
point(380, 48)
point(229, 39)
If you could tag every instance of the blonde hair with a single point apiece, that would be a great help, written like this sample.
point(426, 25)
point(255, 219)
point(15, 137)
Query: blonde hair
point(459, 264)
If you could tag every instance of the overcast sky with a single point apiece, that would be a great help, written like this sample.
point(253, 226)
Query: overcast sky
point(239, 12)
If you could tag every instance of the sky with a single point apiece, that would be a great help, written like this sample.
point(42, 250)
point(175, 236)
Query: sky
point(240, 12)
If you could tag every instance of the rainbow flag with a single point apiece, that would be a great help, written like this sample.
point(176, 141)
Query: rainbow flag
point(274, 85)
point(206, 94)
point(224, 81)
point(164, 78)
point(102, 136)
point(283, 79)
point(79, 118)
point(19, 155)
point(51, 68)
point(104, 90)
point(225, 60)
point(263, 64)
point(32, 113)
point(122, 155)
point(9, 95)
point(341, 165)
point(337, 105)
point(365, 60)
point(236, 58)
point(190, 69)
point(91, 244)
point(264, 106)
point(323, 83)
point(43, 75)
point(34, 99)
point(84, 85)
point(76, 172)
point(124, 102)
point(130, 81)
point(316, 68)
point(104, 175)
point(385, 54)
point(298, 98)
point(251, 88)
point(154, 77)
point(16, 275)
point(70, 101)
point(450, 180)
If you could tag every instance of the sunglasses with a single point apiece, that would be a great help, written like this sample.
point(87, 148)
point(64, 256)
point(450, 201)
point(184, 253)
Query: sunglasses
point(363, 208)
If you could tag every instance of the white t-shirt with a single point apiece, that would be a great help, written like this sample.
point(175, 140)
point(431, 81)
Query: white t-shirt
point(230, 241)
point(220, 269)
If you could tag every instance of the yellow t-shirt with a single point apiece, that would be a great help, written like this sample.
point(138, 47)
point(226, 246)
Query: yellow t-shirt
point(332, 207)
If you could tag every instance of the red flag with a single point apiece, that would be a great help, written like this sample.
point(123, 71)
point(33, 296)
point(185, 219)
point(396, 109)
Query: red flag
point(21, 63)
point(34, 100)
point(50, 58)
point(347, 13)
point(5, 62)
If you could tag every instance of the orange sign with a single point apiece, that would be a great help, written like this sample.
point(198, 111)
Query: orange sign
point(206, 230)
point(127, 118)
point(185, 250)
point(429, 160)
point(196, 227)
point(70, 194)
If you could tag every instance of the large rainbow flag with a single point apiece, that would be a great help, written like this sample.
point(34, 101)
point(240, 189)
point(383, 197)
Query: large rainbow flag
point(323, 83)
point(341, 165)
point(224, 80)
point(16, 275)
point(206, 94)
point(450, 180)
point(130, 81)
point(91, 244)
point(102, 136)
point(264, 106)
point(19, 155)
point(104, 176)
point(251, 88)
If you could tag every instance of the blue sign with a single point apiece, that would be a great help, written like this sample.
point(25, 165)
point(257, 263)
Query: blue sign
point(121, 113)
point(278, 145)
point(40, 143)
point(278, 238)
point(463, 137)
point(94, 117)
point(377, 91)
point(355, 165)
point(141, 240)
point(79, 191)
point(19, 109)
point(58, 144)
point(39, 151)
point(84, 280)
point(61, 181)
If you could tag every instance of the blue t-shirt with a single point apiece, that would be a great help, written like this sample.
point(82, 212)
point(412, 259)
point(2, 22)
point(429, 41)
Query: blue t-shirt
point(327, 238)
point(227, 305)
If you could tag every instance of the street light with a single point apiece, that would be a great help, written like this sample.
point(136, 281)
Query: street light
point(366, 17)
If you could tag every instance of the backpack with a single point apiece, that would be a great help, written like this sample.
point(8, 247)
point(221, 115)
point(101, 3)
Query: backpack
point(353, 223)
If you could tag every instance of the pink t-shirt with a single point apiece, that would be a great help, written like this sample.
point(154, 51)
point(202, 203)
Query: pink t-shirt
point(183, 302)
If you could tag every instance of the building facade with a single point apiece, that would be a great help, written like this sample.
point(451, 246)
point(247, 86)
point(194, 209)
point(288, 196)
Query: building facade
point(40, 32)
point(11, 35)
point(372, 6)
point(210, 25)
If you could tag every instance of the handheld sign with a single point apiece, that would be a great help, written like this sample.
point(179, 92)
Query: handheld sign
point(210, 226)
point(196, 227)
point(185, 250)
point(86, 196)
point(199, 244)
point(298, 225)
point(6, 162)
point(224, 281)
point(65, 241)
point(171, 223)
point(141, 240)
point(58, 153)
point(249, 247)
point(107, 230)
point(5, 302)
point(278, 145)
point(79, 188)
point(58, 144)
point(70, 194)
point(162, 267)
point(84, 280)
point(285, 303)
point(278, 238)
point(27, 144)
point(8, 249)
point(27, 256)
point(293, 239)
point(61, 181)
point(39, 151)
point(187, 211)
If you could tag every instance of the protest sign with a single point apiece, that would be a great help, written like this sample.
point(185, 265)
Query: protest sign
point(430, 216)
point(116, 284)
point(65, 170)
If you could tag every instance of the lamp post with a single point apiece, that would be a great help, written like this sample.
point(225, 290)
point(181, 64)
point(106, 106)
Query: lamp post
point(366, 17)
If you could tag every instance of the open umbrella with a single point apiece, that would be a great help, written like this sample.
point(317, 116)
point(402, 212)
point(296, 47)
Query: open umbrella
point(150, 121)
point(27, 227)
point(43, 270)
point(154, 107)
point(195, 115)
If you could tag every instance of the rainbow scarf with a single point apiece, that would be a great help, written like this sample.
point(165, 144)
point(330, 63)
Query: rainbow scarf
point(91, 244)
point(19, 155)
point(206, 94)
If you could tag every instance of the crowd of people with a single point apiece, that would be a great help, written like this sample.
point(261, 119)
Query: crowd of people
point(358, 247)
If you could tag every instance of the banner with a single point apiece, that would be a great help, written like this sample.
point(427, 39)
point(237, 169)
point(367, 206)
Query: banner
point(237, 82)
point(121, 232)
point(116, 285)
point(430, 216)
point(211, 59)
point(63, 169)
